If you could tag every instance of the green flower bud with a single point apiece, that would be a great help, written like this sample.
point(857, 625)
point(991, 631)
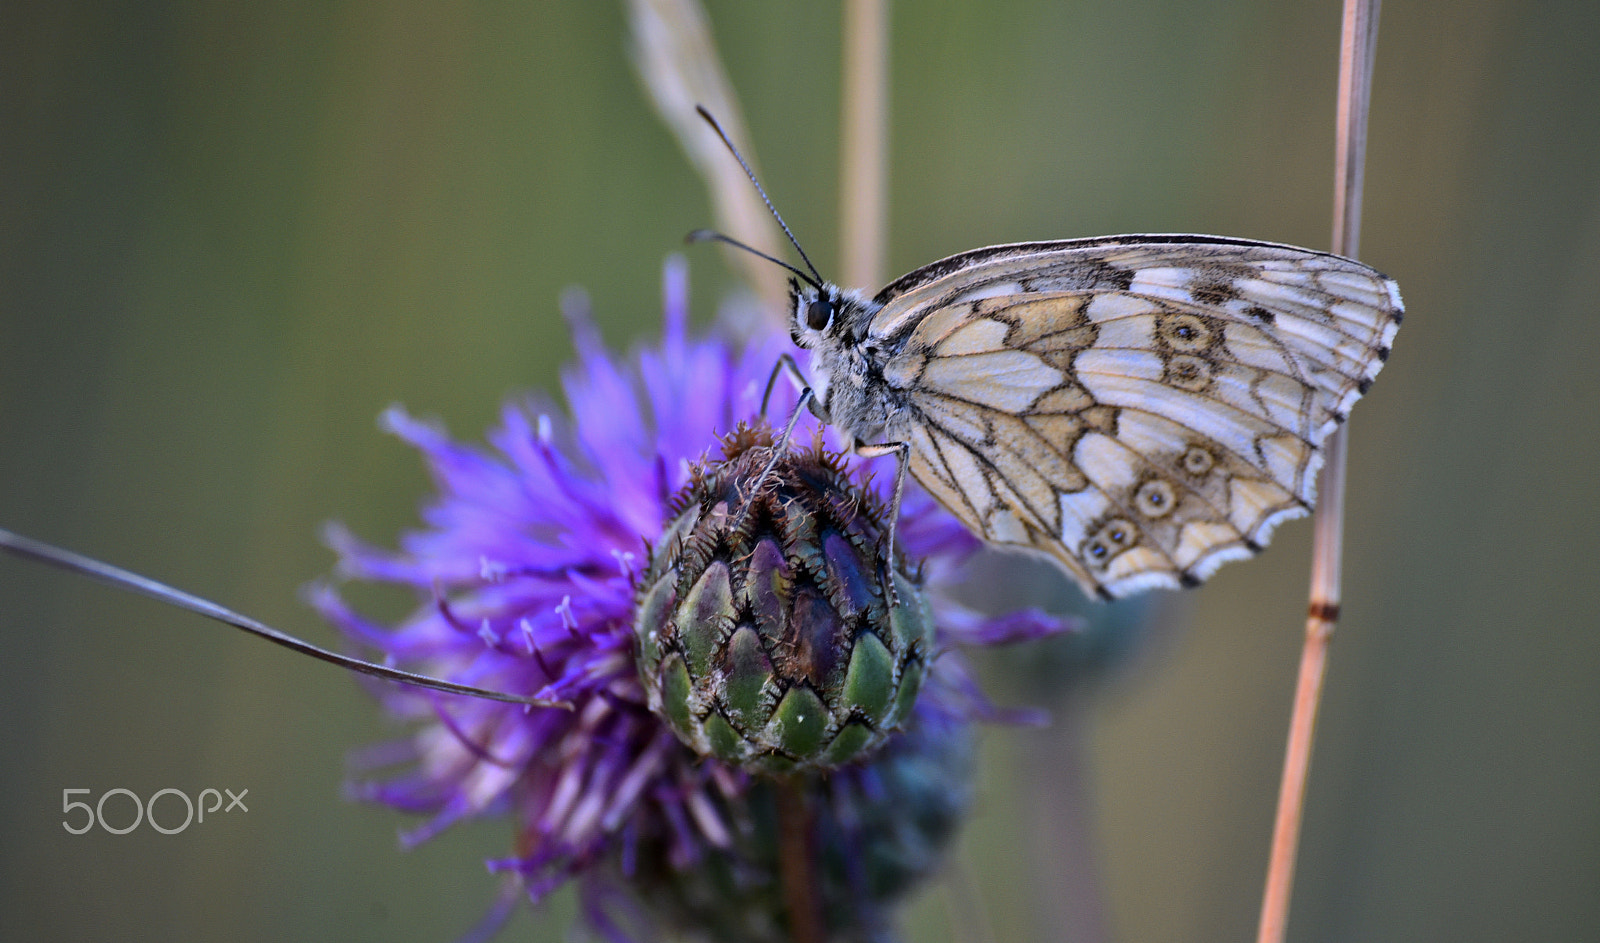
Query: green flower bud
point(766, 634)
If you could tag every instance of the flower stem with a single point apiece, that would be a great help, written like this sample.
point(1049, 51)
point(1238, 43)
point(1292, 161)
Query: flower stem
point(797, 866)
point(1355, 92)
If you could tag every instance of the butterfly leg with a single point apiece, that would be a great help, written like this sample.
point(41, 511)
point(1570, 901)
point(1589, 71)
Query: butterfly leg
point(785, 365)
point(781, 445)
point(902, 454)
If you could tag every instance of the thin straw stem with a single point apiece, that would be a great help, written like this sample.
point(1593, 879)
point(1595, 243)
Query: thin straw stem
point(864, 148)
point(1355, 86)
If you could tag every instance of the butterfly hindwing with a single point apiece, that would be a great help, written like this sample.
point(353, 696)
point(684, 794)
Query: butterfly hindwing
point(1141, 409)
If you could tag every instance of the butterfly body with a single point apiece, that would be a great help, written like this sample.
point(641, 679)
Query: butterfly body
point(1139, 409)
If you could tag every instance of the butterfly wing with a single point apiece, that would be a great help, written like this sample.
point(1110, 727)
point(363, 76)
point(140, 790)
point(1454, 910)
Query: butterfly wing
point(1141, 409)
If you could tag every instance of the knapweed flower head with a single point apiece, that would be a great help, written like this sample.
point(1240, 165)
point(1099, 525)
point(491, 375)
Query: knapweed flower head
point(527, 571)
point(774, 631)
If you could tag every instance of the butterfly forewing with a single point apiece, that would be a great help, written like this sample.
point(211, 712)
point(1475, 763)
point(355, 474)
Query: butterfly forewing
point(1139, 408)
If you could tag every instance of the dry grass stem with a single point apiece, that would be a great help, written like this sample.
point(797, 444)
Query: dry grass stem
point(672, 48)
point(1355, 85)
point(864, 144)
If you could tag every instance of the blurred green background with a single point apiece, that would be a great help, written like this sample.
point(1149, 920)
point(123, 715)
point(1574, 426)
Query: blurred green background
point(232, 233)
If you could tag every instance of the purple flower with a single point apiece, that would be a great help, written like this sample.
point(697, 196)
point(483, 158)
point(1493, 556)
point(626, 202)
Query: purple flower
point(525, 571)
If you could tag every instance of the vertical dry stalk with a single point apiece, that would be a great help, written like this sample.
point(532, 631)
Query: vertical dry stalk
point(673, 50)
point(864, 144)
point(1360, 35)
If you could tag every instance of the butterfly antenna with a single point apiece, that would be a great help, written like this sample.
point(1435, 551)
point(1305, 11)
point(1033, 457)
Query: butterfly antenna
point(816, 278)
point(710, 235)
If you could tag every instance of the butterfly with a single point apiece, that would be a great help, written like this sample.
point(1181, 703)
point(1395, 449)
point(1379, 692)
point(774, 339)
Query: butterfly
point(1138, 409)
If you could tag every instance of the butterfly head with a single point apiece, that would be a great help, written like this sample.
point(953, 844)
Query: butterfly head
point(825, 315)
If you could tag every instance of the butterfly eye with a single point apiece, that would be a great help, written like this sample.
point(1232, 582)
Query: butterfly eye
point(818, 313)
